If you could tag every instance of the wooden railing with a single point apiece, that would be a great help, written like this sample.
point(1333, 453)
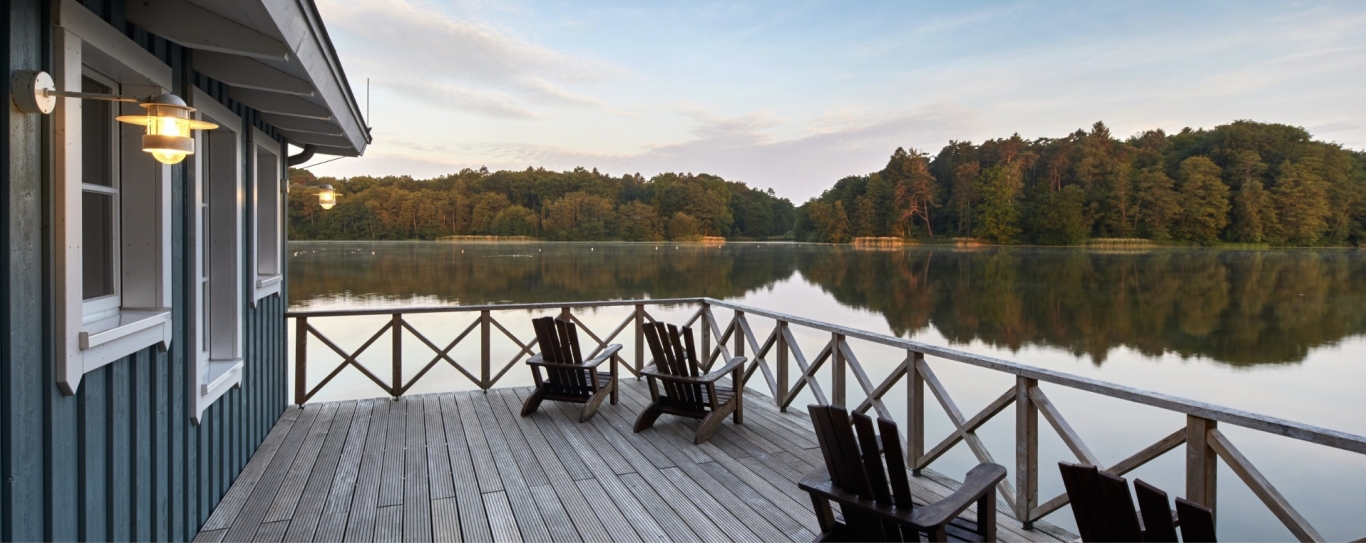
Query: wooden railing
point(775, 356)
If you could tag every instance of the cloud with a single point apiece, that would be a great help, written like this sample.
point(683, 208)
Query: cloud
point(468, 65)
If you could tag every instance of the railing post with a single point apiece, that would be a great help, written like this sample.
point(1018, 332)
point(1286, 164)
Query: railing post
point(1202, 464)
point(915, 411)
point(1026, 451)
point(397, 324)
point(640, 339)
point(300, 360)
point(485, 323)
point(738, 332)
point(706, 333)
point(837, 372)
point(782, 378)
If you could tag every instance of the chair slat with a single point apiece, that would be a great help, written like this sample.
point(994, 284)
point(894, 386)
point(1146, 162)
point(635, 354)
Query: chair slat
point(1156, 510)
point(1082, 494)
point(872, 459)
point(1197, 522)
point(896, 463)
point(1119, 507)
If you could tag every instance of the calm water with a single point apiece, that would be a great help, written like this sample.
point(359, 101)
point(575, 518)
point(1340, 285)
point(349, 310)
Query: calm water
point(1273, 332)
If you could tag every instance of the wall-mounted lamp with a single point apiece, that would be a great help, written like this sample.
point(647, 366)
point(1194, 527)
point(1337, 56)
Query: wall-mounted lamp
point(327, 197)
point(167, 121)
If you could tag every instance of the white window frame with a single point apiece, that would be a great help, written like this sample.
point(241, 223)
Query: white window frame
point(216, 316)
point(267, 197)
point(142, 317)
point(95, 309)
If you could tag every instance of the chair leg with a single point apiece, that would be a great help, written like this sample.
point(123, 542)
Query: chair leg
point(709, 425)
point(533, 402)
point(649, 415)
point(614, 382)
point(591, 406)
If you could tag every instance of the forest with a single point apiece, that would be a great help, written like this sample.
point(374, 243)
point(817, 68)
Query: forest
point(578, 205)
point(1244, 182)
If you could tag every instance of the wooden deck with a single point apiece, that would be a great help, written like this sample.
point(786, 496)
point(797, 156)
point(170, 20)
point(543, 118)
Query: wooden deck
point(464, 466)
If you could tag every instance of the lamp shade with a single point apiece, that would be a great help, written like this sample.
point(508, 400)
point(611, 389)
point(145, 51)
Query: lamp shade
point(168, 126)
point(327, 197)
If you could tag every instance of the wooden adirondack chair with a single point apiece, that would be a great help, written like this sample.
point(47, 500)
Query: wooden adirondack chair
point(1104, 509)
point(569, 378)
point(687, 391)
point(856, 478)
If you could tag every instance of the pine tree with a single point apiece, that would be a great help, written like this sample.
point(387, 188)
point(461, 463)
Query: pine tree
point(997, 216)
point(1157, 205)
point(1254, 215)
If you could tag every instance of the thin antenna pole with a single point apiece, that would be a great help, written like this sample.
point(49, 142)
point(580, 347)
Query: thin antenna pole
point(367, 103)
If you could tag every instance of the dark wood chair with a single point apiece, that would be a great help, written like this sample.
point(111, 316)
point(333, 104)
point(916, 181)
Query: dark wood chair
point(687, 391)
point(569, 378)
point(1197, 522)
point(875, 499)
point(1104, 509)
point(1159, 521)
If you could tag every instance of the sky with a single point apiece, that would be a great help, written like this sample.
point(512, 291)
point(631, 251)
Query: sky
point(795, 95)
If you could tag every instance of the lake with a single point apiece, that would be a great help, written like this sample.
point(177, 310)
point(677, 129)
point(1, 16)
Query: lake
point(1277, 332)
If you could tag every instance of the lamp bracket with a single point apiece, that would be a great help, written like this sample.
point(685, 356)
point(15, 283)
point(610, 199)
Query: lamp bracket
point(35, 92)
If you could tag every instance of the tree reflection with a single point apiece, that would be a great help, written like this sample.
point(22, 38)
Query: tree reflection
point(1238, 307)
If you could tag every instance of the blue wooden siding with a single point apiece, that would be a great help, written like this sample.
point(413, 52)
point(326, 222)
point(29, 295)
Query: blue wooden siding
point(119, 460)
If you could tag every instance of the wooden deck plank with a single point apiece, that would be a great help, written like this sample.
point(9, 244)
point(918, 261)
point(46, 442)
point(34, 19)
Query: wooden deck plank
point(474, 523)
point(554, 513)
point(360, 524)
point(501, 521)
point(348, 467)
point(389, 524)
point(417, 503)
point(271, 532)
point(391, 475)
point(292, 489)
point(439, 477)
point(304, 521)
point(331, 471)
point(586, 523)
point(248, 519)
point(236, 497)
point(445, 520)
point(515, 488)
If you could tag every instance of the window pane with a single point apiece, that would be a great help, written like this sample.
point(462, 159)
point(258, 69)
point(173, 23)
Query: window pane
point(97, 136)
point(97, 244)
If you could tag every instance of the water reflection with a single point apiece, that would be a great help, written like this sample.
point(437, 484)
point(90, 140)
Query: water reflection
point(1237, 307)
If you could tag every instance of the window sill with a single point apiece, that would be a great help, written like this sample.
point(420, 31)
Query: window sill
point(220, 376)
point(267, 285)
point(109, 339)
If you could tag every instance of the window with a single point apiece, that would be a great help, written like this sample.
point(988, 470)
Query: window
point(216, 299)
point(269, 215)
point(112, 203)
point(99, 201)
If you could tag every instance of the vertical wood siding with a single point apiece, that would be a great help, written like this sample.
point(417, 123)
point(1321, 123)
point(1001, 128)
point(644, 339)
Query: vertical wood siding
point(119, 460)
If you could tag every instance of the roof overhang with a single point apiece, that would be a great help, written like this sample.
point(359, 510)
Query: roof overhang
point(276, 57)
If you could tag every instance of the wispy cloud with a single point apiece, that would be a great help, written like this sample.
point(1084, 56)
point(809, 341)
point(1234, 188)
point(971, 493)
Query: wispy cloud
point(418, 50)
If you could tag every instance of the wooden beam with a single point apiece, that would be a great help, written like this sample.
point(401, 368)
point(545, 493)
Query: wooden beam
point(306, 138)
point(250, 73)
point(1202, 463)
point(198, 28)
point(1065, 431)
point(1262, 487)
point(283, 104)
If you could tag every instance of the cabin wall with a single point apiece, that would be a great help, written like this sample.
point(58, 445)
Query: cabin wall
point(121, 459)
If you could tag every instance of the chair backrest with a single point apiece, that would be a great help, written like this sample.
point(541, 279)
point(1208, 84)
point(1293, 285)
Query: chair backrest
point(559, 341)
point(1197, 522)
point(1155, 509)
point(675, 353)
point(1101, 503)
point(856, 464)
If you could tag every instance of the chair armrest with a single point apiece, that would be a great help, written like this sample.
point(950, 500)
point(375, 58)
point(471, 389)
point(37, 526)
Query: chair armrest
point(653, 371)
point(980, 482)
point(594, 362)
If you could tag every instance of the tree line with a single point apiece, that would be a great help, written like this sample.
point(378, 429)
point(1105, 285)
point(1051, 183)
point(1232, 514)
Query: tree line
point(1244, 182)
point(578, 205)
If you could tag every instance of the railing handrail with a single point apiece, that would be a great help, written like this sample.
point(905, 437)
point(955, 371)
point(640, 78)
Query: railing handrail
point(1274, 425)
point(487, 307)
